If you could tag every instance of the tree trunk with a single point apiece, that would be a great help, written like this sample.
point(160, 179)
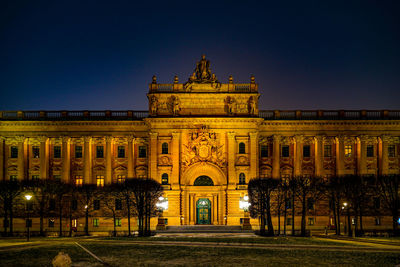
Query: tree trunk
point(11, 217)
point(303, 216)
point(279, 219)
point(5, 216)
point(395, 216)
point(361, 221)
point(41, 215)
point(70, 224)
point(269, 219)
point(87, 221)
point(128, 206)
point(115, 228)
point(348, 224)
point(60, 214)
point(293, 214)
point(337, 207)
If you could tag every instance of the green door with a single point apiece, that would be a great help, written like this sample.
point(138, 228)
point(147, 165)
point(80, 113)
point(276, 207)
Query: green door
point(203, 211)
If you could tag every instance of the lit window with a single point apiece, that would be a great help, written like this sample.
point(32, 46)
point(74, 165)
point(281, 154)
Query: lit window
point(121, 151)
point(164, 148)
point(289, 221)
point(14, 152)
point(78, 152)
point(35, 152)
point(327, 151)
point(391, 151)
point(35, 177)
point(377, 221)
point(100, 180)
point(264, 151)
point(348, 150)
point(99, 152)
point(242, 178)
point(285, 151)
point(57, 152)
point(121, 179)
point(78, 180)
point(118, 222)
point(13, 178)
point(118, 204)
point(164, 178)
point(96, 222)
point(142, 152)
point(51, 223)
point(242, 148)
point(306, 151)
point(310, 221)
point(96, 204)
point(370, 151)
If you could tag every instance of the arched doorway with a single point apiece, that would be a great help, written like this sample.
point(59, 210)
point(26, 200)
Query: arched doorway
point(203, 211)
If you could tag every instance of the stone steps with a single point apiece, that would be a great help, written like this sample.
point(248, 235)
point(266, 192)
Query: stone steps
point(204, 229)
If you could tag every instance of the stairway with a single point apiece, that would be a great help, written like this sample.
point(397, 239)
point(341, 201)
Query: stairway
point(204, 229)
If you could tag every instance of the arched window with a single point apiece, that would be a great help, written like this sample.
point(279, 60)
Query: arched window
point(203, 181)
point(164, 178)
point(242, 178)
point(164, 148)
point(242, 148)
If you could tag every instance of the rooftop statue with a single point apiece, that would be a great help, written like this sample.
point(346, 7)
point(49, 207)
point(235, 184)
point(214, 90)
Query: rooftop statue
point(202, 73)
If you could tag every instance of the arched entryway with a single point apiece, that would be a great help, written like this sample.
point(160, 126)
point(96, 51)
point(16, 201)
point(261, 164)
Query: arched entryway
point(203, 211)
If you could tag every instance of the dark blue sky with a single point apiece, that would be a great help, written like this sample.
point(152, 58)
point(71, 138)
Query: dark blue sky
point(102, 54)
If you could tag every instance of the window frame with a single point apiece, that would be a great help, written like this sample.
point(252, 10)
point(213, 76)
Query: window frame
point(264, 152)
point(348, 151)
point(306, 151)
point(142, 152)
point(285, 148)
point(57, 152)
point(121, 152)
point(242, 148)
point(370, 151)
point(242, 178)
point(327, 151)
point(164, 179)
point(78, 152)
point(14, 152)
point(100, 152)
point(164, 148)
point(36, 152)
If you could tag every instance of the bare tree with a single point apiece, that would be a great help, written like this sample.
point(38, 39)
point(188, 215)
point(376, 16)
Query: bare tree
point(388, 188)
point(86, 197)
point(111, 197)
point(9, 193)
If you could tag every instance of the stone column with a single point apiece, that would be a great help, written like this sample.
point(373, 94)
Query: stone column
point(175, 154)
point(87, 160)
point(66, 159)
point(2, 157)
point(319, 155)
point(362, 155)
point(253, 155)
point(153, 157)
point(231, 158)
point(108, 178)
point(276, 166)
point(131, 157)
point(21, 158)
point(44, 157)
point(340, 154)
point(298, 155)
point(383, 154)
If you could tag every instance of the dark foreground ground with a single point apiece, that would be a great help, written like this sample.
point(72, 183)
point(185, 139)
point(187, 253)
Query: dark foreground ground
point(202, 251)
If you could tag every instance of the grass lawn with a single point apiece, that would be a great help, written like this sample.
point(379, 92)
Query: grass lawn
point(135, 255)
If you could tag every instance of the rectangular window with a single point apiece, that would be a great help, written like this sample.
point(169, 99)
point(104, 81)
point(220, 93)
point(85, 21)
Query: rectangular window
point(264, 151)
point(121, 151)
point(285, 151)
point(118, 222)
point(142, 152)
point(310, 203)
point(377, 221)
point(51, 223)
point(370, 151)
point(14, 152)
point(96, 204)
point(306, 151)
point(99, 152)
point(13, 178)
point(78, 180)
point(118, 204)
point(100, 180)
point(348, 150)
point(35, 152)
point(57, 177)
point(121, 179)
point(310, 221)
point(52, 204)
point(96, 222)
point(78, 152)
point(327, 151)
point(289, 221)
point(391, 151)
point(57, 152)
point(35, 177)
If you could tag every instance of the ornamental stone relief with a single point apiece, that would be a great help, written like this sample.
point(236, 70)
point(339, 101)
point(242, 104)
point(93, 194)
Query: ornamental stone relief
point(203, 146)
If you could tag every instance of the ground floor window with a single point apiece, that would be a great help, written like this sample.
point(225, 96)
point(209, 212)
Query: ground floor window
point(118, 222)
point(311, 221)
point(51, 223)
point(377, 221)
point(100, 180)
point(289, 221)
point(96, 222)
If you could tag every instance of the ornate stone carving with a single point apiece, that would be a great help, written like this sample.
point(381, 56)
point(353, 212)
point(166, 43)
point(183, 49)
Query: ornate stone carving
point(252, 106)
point(231, 106)
point(203, 146)
point(203, 74)
point(176, 105)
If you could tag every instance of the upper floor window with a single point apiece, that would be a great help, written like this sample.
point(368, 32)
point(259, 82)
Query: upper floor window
point(14, 152)
point(100, 152)
point(164, 148)
point(164, 178)
point(35, 152)
point(348, 150)
point(78, 180)
point(285, 151)
point(327, 151)
point(391, 151)
point(306, 151)
point(100, 180)
point(121, 151)
point(118, 204)
point(264, 151)
point(35, 177)
point(121, 178)
point(13, 178)
point(242, 178)
point(57, 152)
point(242, 148)
point(78, 152)
point(142, 152)
point(370, 151)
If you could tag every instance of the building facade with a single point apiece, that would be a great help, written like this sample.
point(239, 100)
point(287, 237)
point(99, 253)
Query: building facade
point(203, 141)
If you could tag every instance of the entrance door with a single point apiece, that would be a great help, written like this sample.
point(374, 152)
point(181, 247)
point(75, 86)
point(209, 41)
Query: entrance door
point(203, 208)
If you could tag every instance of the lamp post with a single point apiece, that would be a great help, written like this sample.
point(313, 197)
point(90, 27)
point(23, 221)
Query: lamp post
point(162, 205)
point(244, 205)
point(348, 224)
point(28, 222)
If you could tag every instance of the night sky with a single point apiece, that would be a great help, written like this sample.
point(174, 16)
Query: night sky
point(99, 55)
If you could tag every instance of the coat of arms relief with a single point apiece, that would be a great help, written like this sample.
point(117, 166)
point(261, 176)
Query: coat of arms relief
point(203, 146)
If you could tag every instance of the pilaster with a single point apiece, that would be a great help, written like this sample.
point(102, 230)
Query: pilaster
point(175, 153)
point(44, 157)
point(87, 164)
point(2, 157)
point(319, 155)
point(340, 154)
point(253, 155)
point(231, 158)
point(21, 157)
point(276, 157)
point(109, 143)
point(131, 156)
point(66, 159)
point(362, 155)
point(383, 154)
point(298, 155)
point(153, 156)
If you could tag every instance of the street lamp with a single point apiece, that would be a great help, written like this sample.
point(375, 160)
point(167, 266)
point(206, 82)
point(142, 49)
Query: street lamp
point(244, 205)
point(28, 222)
point(345, 206)
point(162, 205)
